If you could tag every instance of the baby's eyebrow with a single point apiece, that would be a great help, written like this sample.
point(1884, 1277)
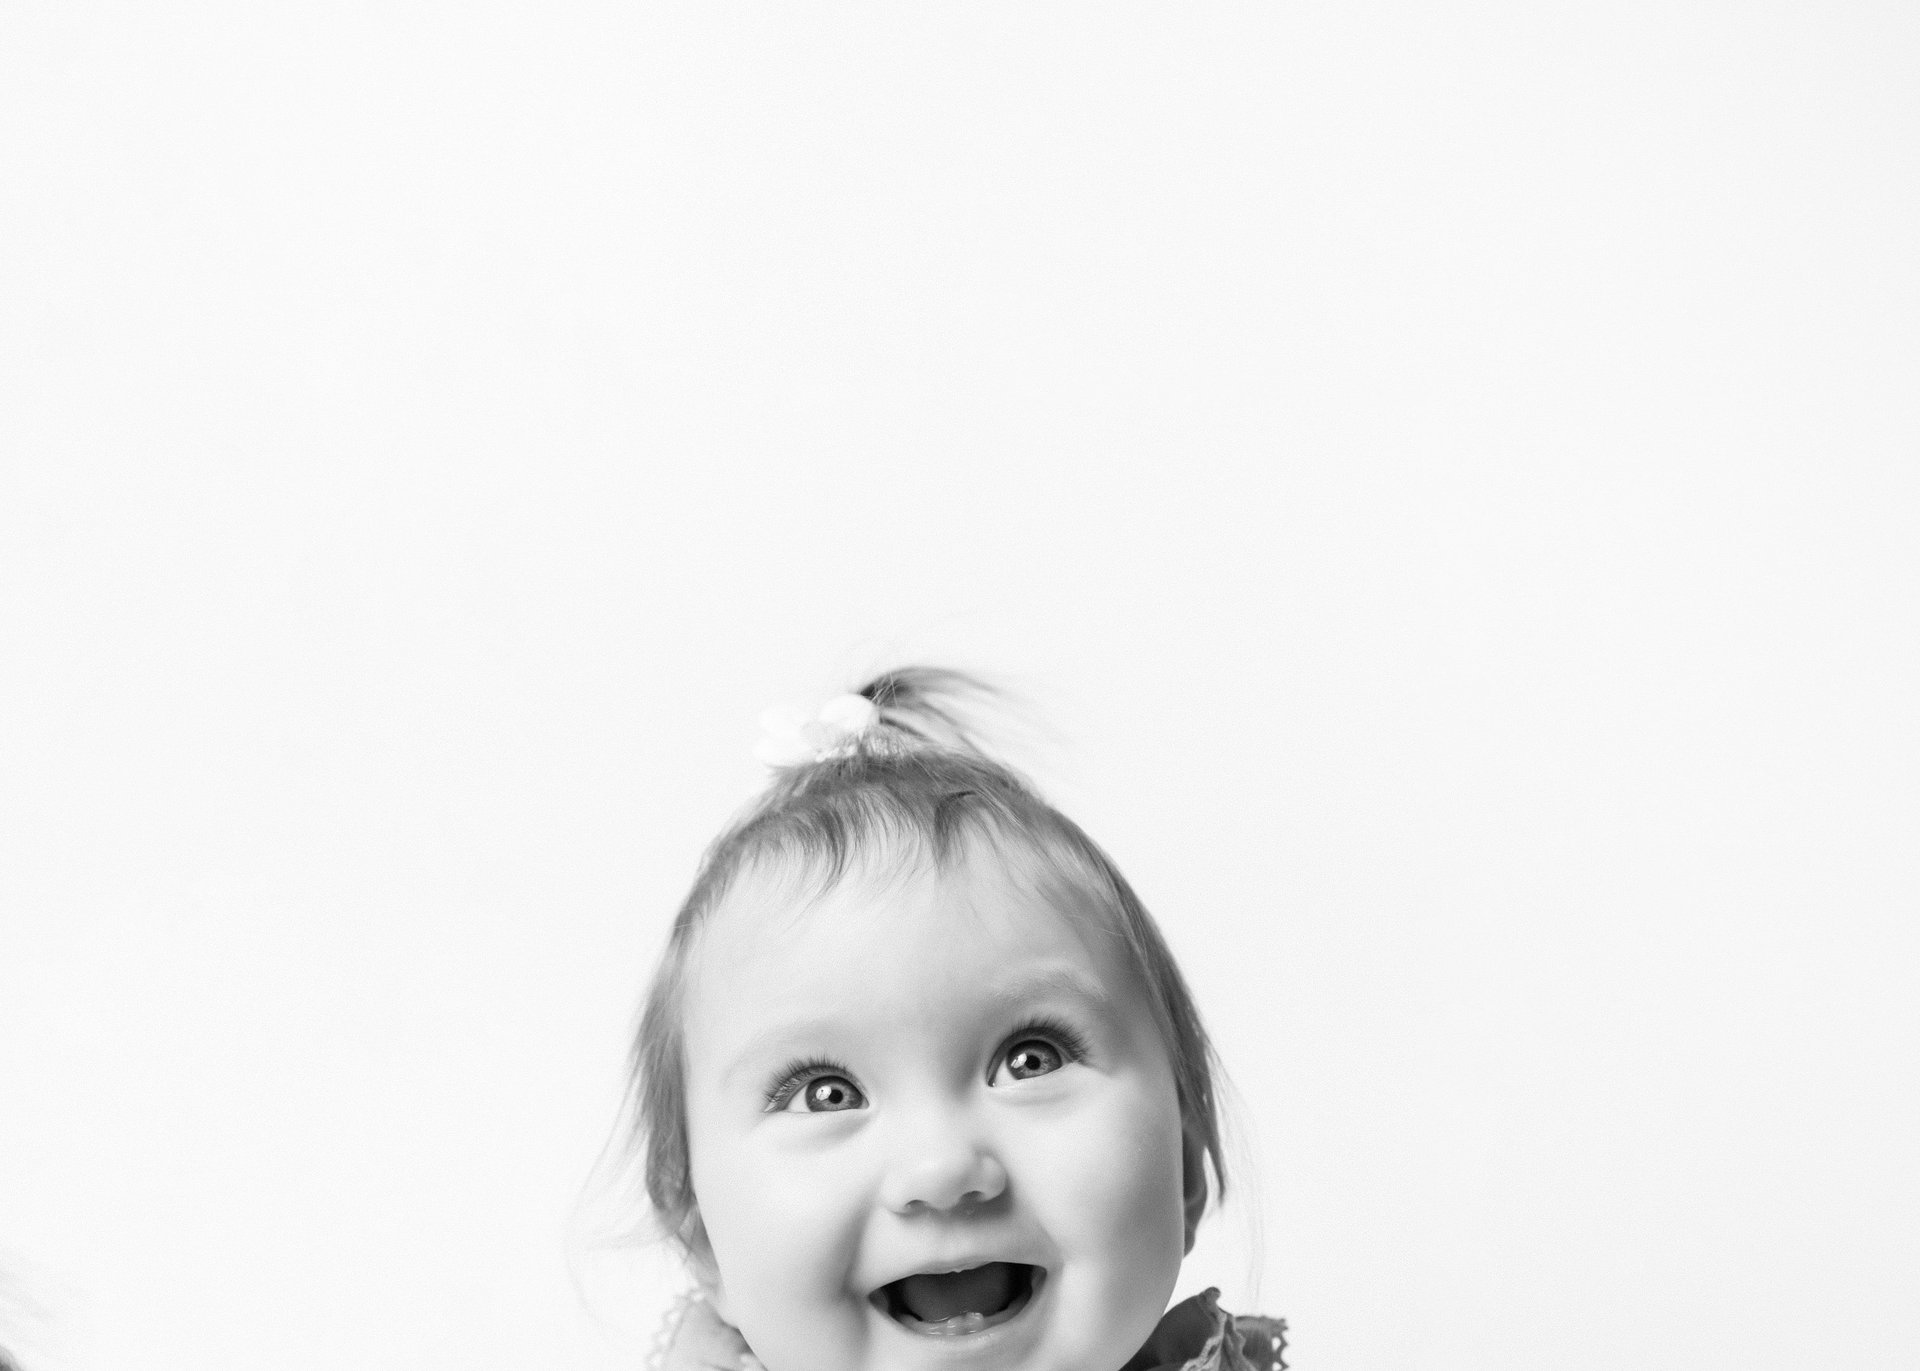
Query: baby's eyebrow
point(1063, 979)
point(770, 1042)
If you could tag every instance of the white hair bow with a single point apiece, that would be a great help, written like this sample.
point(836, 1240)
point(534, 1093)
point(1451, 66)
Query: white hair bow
point(793, 738)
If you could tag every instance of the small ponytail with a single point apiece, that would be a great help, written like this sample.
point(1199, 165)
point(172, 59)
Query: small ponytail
point(926, 703)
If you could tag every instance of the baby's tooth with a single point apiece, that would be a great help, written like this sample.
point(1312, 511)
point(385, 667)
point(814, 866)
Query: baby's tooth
point(970, 1322)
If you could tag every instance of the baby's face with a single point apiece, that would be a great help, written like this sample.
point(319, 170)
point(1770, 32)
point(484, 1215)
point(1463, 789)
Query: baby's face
point(932, 1125)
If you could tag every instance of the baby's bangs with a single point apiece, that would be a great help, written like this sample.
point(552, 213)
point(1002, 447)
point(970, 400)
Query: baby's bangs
point(876, 814)
point(887, 816)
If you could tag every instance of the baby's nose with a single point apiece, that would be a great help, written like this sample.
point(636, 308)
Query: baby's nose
point(943, 1172)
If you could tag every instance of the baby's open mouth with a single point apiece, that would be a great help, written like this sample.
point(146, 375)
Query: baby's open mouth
point(950, 1303)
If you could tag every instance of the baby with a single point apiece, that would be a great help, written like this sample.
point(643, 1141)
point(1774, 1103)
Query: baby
point(918, 1083)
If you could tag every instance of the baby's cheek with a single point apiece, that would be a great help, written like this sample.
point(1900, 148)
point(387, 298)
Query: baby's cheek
point(1109, 1190)
point(784, 1243)
point(1123, 1160)
point(756, 1213)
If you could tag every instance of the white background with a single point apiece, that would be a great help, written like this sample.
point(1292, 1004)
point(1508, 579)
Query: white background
point(1444, 476)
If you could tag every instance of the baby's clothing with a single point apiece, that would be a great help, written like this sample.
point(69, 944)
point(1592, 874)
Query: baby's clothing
point(1198, 1335)
point(1195, 1335)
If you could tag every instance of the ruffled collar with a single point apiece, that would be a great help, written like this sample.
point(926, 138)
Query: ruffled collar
point(1198, 1335)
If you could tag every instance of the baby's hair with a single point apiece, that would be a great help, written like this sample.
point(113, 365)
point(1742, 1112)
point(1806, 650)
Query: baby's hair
point(916, 782)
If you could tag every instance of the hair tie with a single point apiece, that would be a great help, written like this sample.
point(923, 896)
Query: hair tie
point(793, 739)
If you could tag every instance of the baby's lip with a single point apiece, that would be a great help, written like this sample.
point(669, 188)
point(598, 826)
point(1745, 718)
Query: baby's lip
point(943, 1265)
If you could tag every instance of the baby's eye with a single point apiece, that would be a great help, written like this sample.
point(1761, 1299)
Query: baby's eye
point(826, 1095)
point(1032, 1057)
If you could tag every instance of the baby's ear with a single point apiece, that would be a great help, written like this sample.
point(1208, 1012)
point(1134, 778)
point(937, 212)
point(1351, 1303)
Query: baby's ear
point(1193, 1181)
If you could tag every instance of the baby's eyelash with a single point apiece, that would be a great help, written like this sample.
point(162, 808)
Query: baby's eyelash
point(796, 1074)
point(791, 1077)
point(1069, 1039)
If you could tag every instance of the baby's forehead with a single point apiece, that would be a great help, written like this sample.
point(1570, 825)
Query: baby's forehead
point(981, 883)
point(783, 930)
